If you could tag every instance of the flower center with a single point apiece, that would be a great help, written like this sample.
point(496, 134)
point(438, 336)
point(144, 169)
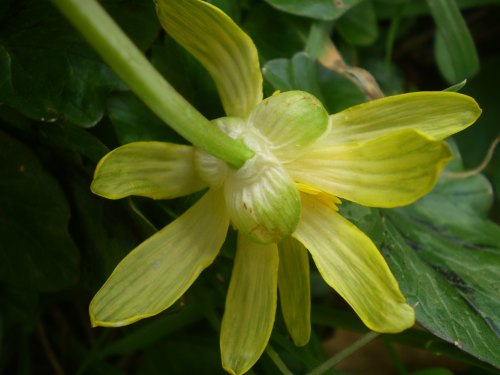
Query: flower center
point(262, 199)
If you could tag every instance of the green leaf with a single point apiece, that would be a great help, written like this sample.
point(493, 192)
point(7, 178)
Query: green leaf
point(133, 121)
point(36, 251)
point(320, 9)
point(301, 72)
point(447, 258)
point(276, 34)
point(359, 25)
point(151, 332)
point(442, 295)
point(104, 230)
point(454, 47)
point(137, 18)
point(298, 73)
point(49, 73)
point(410, 8)
point(433, 371)
point(176, 356)
point(72, 139)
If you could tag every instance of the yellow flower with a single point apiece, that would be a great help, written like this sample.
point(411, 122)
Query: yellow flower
point(385, 153)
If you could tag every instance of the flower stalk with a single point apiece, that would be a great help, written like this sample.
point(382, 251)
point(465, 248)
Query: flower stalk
point(128, 62)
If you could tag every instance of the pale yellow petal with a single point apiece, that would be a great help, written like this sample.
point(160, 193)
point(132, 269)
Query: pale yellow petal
point(437, 114)
point(390, 171)
point(295, 290)
point(352, 265)
point(157, 272)
point(250, 305)
point(156, 170)
point(220, 46)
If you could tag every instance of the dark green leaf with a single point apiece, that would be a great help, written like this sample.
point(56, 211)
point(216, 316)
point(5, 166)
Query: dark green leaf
point(133, 121)
point(276, 34)
point(319, 9)
point(359, 25)
point(298, 73)
point(411, 8)
point(188, 354)
point(447, 259)
point(433, 371)
point(35, 248)
point(105, 232)
point(230, 7)
point(441, 296)
point(73, 139)
point(48, 72)
point(303, 73)
point(456, 53)
point(150, 332)
point(137, 18)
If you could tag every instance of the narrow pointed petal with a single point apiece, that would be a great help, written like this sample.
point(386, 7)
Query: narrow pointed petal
point(437, 114)
point(290, 121)
point(390, 171)
point(352, 265)
point(295, 290)
point(220, 46)
point(156, 170)
point(250, 305)
point(262, 200)
point(157, 272)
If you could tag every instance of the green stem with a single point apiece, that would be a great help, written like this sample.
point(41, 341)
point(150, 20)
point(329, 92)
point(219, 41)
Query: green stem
point(339, 357)
point(277, 360)
point(128, 62)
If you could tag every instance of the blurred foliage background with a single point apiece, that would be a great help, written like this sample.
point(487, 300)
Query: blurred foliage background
point(62, 109)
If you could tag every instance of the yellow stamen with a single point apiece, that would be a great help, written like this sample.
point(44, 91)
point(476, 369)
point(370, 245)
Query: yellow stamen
point(328, 200)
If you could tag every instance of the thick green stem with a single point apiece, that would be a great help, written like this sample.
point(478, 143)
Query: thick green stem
point(128, 62)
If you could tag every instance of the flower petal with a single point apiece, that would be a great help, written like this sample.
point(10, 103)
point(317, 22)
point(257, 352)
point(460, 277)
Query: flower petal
point(157, 272)
point(220, 46)
point(290, 121)
point(390, 171)
point(262, 200)
point(250, 305)
point(437, 114)
point(294, 288)
point(156, 170)
point(352, 265)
